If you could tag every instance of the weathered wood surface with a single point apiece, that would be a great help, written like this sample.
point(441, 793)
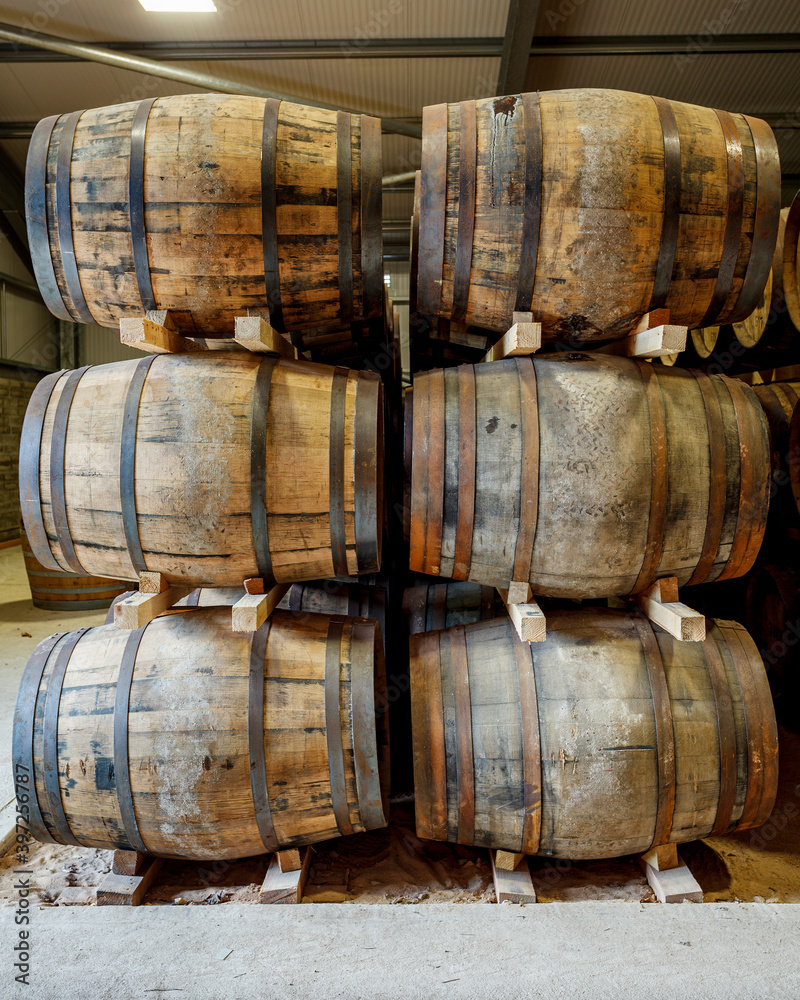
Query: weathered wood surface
point(285, 886)
point(195, 466)
point(513, 885)
point(189, 743)
point(202, 183)
point(791, 261)
point(589, 476)
point(609, 738)
point(603, 218)
point(779, 401)
point(128, 889)
point(749, 330)
point(705, 340)
point(55, 590)
point(442, 605)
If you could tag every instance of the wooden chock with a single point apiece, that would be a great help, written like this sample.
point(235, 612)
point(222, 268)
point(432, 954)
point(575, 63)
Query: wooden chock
point(155, 333)
point(285, 886)
point(673, 884)
point(524, 337)
point(289, 860)
point(251, 611)
point(526, 615)
point(663, 857)
point(652, 337)
point(661, 605)
point(119, 888)
point(155, 596)
point(255, 334)
point(508, 861)
point(515, 886)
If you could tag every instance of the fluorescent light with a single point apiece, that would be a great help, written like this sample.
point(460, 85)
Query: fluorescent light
point(180, 6)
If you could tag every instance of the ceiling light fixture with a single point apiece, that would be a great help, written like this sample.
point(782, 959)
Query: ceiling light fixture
point(180, 6)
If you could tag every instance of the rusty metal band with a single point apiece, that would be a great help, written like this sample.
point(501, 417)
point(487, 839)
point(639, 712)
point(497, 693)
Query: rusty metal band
point(58, 448)
point(36, 218)
point(532, 206)
point(767, 217)
point(467, 162)
point(371, 218)
point(123, 596)
point(141, 261)
point(434, 508)
point(465, 765)
point(531, 743)
point(336, 469)
point(296, 597)
point(255, 736)
point(660, 478)
point(333, 724)
point(467, 459)
point(22, 753)
point(665, 732)
point(122, 767)
point(258, 469)
point(529, 469)
point(365, 741)
point(30, 447)
point(760, 727)
point(437, 607)
point(754, 480)
point(367, 472)
point(717, 478)
point(78, 307)
point(791, 255)
point(670, 222)
point(344, 214)
point(269, 216)
point(59, 826)
point(733, 220)
point(127, 465)
point(726, 725)
point(432, 209)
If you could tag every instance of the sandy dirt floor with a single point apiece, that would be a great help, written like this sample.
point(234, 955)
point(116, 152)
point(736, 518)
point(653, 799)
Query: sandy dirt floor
point(395, 866)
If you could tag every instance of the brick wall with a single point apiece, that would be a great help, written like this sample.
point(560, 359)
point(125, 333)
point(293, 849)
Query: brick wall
point(15, 391)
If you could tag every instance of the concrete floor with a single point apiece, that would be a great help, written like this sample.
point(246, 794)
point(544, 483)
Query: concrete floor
point(609, 950)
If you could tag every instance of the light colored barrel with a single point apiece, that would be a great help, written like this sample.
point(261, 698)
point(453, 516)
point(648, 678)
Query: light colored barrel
point(587, 476)
point(705, 340)
point(160, 204)
point(188, 740)
point(606, 739)
point(54, 590)
point(591, 208)
point(442, 605)
point(750, 330)
point(207, 469)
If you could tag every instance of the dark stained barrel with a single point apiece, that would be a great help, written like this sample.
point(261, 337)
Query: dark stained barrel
point(606, 739)
point(442, 605)
point(187, 740)
point(585, 475)
point(591, 208)
point(773, 619)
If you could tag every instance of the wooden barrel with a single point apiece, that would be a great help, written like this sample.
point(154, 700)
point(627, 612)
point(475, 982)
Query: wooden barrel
point(187, 740)
point(793, 456)
point(779, 401)
point(588, 476)
point(704, 340)
point(54, 590)
point(606, 739)
point(773, 619)
point(206, 468)
point(791, 261)
point(442, 605)
point(592, 207)
point(749, 330)
point(159, 204)
point(329, 597)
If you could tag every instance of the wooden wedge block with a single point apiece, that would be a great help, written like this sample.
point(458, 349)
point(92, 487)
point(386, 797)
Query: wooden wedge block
point(507, 861)
point(289, 860)
point(524, 337)
point(663, 857)
point(519, 593)
point(128, 890)
point(140, 609)
point(255, 334)
point(678, 619)
point(673, 885)
point(512, 886)
point(251, 611)
point(653, 343)
point(528, 619)
point(129, 862)
point(155, 333)
point(285, 887)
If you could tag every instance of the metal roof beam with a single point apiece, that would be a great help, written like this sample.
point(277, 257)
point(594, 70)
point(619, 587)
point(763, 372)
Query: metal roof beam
point(520, 25)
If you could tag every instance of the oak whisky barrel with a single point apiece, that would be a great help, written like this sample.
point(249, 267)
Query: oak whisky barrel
point(779, 401)
point(606, 739)
point(586, 475)
point(209, 469)
point(592, 207)
point(442, 605)
point(158, 204)
point(55, 590)
point(184, 739)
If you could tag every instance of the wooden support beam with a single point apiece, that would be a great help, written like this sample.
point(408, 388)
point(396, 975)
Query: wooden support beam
point(512, 886)
point(655, 343)
point(251, 611)
point(528, 618)
point(660, 604)
point(673, 885)
point(155, 596)
point(524, 337)
point(285, 887)
point(508, 861)
point(155, 333)
point(255, 334)
point(128, 890)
